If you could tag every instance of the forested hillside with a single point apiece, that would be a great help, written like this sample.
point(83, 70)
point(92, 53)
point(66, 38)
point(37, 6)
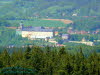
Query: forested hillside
point(48, 8)
point(49, 61)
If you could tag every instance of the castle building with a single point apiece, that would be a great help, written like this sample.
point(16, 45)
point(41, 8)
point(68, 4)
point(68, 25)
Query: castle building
point(34, 32)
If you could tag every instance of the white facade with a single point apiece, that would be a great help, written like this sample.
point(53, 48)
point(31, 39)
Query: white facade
point(87, 43)
point(74, 14)
point(33, 34)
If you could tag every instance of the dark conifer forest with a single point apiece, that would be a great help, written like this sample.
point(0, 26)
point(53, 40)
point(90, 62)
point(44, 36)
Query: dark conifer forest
point(49, 61)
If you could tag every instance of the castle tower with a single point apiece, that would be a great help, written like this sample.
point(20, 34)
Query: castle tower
point(21, 25)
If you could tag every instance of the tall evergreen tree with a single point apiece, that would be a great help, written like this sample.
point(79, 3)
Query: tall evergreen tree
point(6, 58)
point(27, 53)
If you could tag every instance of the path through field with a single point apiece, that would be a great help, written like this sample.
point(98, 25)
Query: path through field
point(65, 21)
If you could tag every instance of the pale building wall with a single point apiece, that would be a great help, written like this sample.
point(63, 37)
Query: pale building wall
point(37, 34)
point(87, 43)
point(25, 33)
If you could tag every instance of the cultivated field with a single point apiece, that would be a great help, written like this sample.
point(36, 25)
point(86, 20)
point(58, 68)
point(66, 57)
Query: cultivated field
point(42, 22)
point(62, 20)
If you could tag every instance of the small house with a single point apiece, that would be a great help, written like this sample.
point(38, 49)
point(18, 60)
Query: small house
point(65, 36)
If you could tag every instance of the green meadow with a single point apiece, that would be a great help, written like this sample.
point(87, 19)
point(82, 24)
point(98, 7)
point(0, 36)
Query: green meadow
point(38, 22)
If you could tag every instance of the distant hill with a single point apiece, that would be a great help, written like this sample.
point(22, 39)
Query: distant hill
point(48, 8)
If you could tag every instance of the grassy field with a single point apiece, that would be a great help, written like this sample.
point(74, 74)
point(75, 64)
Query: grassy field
point(38, 22)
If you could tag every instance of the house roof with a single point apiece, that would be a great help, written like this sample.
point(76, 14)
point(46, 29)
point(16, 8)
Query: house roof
point(65, 34)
